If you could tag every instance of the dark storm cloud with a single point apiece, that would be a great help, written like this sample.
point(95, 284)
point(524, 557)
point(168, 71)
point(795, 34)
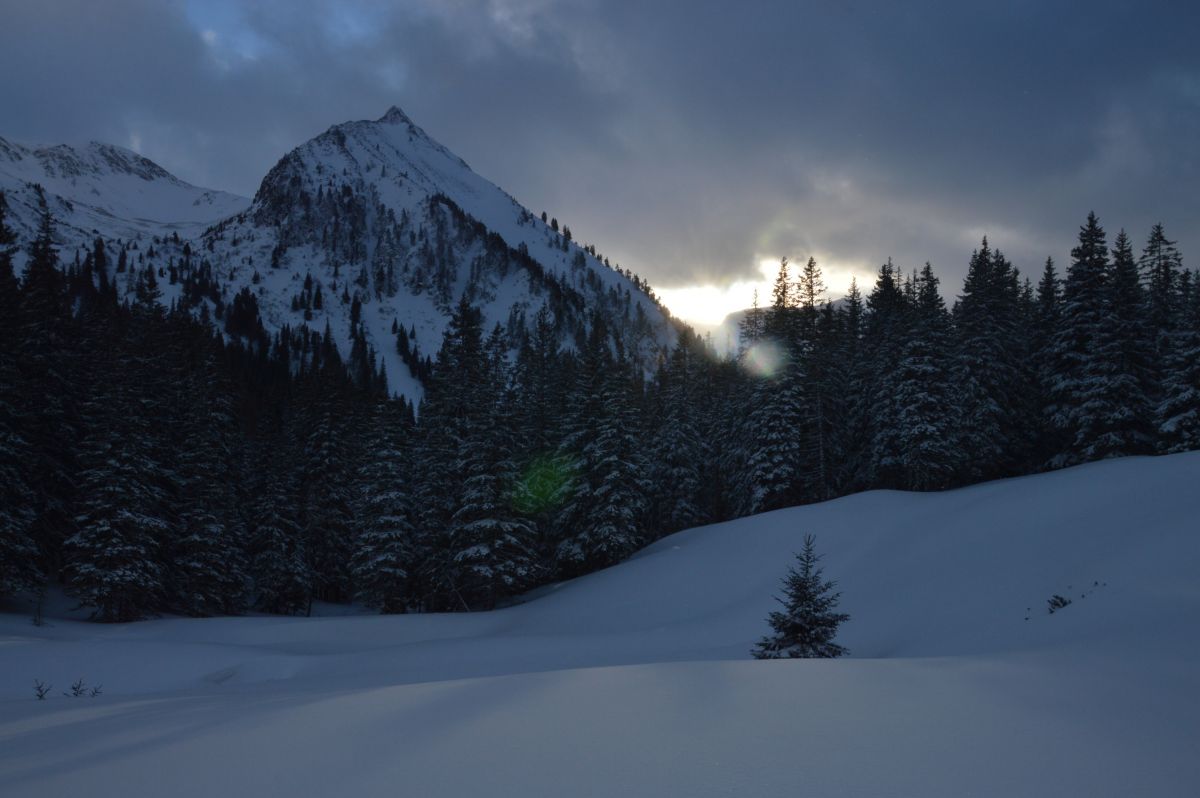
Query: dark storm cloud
point(686, 139)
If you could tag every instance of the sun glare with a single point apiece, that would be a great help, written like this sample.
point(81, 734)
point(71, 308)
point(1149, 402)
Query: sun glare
point(707, 306)
point(763, 359)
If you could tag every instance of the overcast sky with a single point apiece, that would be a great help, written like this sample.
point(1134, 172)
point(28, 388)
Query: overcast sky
point(691, 141)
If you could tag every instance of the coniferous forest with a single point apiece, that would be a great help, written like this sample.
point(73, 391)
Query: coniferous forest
point(156, 460)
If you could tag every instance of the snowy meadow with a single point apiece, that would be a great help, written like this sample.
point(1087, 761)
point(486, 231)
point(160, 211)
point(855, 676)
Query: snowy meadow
point(638, 679)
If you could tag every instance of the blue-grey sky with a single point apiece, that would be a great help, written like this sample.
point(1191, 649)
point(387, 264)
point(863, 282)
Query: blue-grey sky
point(692, 141)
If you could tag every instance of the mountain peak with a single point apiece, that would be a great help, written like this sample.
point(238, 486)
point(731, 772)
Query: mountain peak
point(394, 116)
point(73, 161)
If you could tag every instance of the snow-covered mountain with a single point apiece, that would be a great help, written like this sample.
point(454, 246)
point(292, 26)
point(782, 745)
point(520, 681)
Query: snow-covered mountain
point(376, 217)
point(379, 211)
point(102, 190)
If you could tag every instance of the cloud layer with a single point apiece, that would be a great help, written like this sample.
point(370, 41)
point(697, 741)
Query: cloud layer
point(688, 140)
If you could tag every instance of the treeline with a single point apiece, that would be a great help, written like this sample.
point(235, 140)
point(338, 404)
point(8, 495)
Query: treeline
point(151, 465)
point(897, 391)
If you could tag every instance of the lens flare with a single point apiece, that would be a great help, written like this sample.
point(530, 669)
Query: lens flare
point(543, 484)
point(763, 359)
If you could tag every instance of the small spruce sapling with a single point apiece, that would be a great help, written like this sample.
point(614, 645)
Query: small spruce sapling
point(41, 689)
point(809, 622)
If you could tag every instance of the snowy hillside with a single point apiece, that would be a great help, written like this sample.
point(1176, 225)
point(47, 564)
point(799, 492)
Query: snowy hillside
point(637, 680)
point(99, 189)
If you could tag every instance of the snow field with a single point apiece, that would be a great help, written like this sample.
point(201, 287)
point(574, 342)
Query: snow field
point(637, 680)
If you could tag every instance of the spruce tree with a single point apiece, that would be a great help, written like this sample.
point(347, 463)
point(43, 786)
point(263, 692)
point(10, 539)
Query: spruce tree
point(1179, 410)
point(1044, 327)
point(810, 288)
point(849, 354)
point(453, 446)
point(540, 392)
point(929, 455)
point(47, 370)
point(828, 404)
point(604, 519)
point(751, 327)
point(326, 498)
point(679, 452)
point(1161, 267)
point(19, 560)
point(207, 569)
point(1081, 395)
point(989, 367)
point(279, 566)
point(384, 552)
point(491, 543)
point(1126, 354)
point(886, 325)
point(114, 559)
point(773, 470)
point(816, 354)
point(809, 622)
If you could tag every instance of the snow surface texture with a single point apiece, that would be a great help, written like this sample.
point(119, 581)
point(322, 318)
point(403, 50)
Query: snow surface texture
point(637, 680)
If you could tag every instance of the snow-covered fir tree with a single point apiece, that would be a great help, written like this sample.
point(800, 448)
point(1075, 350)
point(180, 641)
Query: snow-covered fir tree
point(206, 572)
point(491, 544)
point(930, 457)
point(1126, 353)
point(1098, 399)
point(824, 386)
point(1161, 268)
point(279, 567)
point(1178, 412)
point(45, 364)
point(1081, 396)
point(809, 622)
point(326, 500)
point(1044, 323)
point(114, 559)
point(988, 366)
point(885, 330)
point(540, 385)
point(19, 560)
point(851, 362)
point(449, 420)
point(773, 476)
point(384, 551)
point(679, 450)
point(604, 520)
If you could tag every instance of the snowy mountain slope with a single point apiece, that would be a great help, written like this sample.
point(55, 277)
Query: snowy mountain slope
point(99, 189)
point(379, 212)
point(637, 680)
